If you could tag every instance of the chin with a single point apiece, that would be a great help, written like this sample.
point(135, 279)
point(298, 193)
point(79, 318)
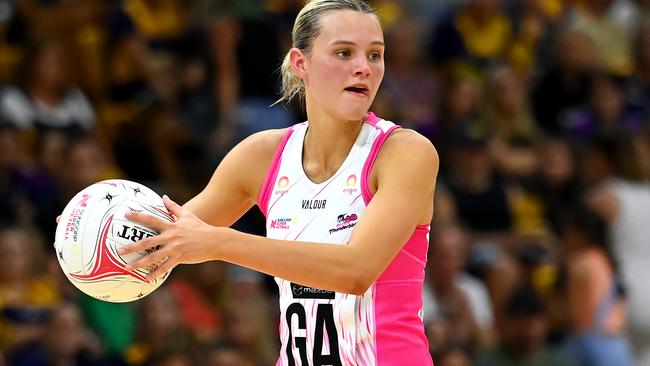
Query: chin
point(353, 114)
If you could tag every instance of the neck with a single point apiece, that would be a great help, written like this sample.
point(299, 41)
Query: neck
point(328, 142)
point(44, 94)
point(506, 116)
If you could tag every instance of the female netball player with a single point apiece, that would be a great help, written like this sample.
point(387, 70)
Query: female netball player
point(348, 199)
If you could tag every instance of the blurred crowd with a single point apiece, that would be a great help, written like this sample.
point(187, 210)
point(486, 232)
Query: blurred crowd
point(539, 109)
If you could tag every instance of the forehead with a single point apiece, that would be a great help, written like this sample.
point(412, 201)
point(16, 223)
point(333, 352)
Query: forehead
point(351, 26)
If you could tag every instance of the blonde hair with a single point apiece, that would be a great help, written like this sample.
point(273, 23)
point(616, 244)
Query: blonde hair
point(305, 30)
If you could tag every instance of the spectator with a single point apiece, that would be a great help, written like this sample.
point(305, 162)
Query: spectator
point(596, 307)
point(606, 113)
point(477, 31)
point(556, 181)
point(511, 124)
point(480, 196)
point(409, 91)
point(28, 194)
point(522, 335)
point(453, 296)
point(27, 297)
point(620, 196)
point(611, 37)
point(249, 327)
point(460, 107)
point(66, 342)
point(47, 101)
point(566, 83)
point(161, 328)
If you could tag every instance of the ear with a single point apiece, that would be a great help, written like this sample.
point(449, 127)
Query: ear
point(299, 63)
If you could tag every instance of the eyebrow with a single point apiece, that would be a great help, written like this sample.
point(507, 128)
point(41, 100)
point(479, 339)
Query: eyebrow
point(341, 41)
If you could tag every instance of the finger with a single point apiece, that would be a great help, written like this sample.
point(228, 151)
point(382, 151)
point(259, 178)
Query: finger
point(167, 266)
point(58, 218)
point(172, 206)
point(147, 260)
point(147, 220)
point(141, 245)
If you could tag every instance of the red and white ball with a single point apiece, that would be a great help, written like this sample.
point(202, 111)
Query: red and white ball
point(91, 230)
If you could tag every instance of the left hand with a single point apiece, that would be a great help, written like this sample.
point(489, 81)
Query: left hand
point(187, 240)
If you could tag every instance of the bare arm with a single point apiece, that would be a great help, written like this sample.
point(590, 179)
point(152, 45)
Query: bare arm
point(403, 199)
point(582, 300)
point(604, 202)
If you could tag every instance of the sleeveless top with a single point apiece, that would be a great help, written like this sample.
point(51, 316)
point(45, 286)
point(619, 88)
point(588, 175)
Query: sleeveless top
point(322, 327)
point(629, 234)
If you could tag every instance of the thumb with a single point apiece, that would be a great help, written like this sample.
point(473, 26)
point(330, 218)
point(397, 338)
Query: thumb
point(172, 206)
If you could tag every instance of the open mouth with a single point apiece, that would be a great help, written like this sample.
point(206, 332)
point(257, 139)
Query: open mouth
point(357, 89)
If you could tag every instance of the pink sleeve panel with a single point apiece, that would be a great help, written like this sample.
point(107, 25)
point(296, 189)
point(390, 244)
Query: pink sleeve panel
point(400, 337)
point(272, 174)
point(370, 162)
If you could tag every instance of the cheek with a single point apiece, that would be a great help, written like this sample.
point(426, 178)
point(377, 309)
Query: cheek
point(377, 72)
point(327, 77)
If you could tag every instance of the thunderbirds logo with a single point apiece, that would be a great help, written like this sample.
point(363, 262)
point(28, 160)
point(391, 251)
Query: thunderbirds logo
point(344, 221)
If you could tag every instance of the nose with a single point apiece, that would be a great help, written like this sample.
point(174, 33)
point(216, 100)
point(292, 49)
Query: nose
point(362, 67)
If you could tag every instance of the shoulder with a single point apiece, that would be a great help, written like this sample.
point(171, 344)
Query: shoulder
point(11, 95)
point(263, 143)
point(585, 265)
point(257, 150)
point(250, 160)
point(591, 260)
point(16, 107)
point(405, 146)
point(76, 94)
point(405, 156)
point(604, 201)
point(406, 136)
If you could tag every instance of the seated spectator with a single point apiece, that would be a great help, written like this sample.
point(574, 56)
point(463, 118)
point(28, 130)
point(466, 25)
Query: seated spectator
point(565, 84)
point(512, 126)
point(28, 194)
point(46, 100)
point(161, 327)
point(607, 112)
point(27, 298)
point(480, 195)
point(409, 91)
point(556, 181)
point(453, 296)
point(66, 341)
point(250, 328)
point(596, 308)
point(611, 38)
point(522, 333)
point(460, 106)
point(477, 31)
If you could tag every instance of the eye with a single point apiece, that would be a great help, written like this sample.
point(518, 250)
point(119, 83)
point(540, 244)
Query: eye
point(374, 56)
point(343, 53)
